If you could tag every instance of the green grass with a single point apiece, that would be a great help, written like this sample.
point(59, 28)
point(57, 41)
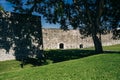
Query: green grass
point(8, 66)
point(96, 67)
point(113, 47)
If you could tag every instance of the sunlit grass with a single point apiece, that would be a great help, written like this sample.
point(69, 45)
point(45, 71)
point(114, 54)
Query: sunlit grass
point(112, 48)
point(97, 67)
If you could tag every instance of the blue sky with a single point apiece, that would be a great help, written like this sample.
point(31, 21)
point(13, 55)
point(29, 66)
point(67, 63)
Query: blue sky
point(8, 7)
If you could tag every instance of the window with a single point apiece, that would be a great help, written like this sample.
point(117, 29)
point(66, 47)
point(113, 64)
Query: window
point(61, 46)
point(81, 45)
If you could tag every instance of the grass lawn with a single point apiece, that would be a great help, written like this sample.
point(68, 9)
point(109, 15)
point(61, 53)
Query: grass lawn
point(95, 67)
point(105, 48)
point(113, 47)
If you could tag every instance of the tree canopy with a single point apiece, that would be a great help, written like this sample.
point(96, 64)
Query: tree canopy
point(92, 17)
point(1, 8)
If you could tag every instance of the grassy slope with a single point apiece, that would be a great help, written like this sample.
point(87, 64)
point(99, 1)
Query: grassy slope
point(8, 66)
point(97, 67)
point(113, 47)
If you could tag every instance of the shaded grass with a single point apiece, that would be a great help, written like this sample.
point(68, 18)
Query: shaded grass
point(7, 66)
point(64, 55)
point(68, 54)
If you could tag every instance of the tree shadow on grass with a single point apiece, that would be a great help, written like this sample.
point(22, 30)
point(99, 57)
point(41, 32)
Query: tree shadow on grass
point(117, 52)
point(55, 56)
point(33, 61)
point(64, 55)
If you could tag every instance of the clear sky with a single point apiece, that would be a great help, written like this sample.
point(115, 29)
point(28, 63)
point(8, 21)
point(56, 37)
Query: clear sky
point(8, 7)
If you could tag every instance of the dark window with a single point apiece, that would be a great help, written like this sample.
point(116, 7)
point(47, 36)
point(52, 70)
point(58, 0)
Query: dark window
point(81, 45)
point(61, 46)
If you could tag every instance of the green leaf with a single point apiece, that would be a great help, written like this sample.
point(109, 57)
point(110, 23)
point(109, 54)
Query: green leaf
point(1, 8)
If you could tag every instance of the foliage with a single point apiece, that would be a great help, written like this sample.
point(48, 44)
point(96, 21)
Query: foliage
point(1, 8)
point(115, 13)
point(83, 14)
point(91, 16)
point(21, 32)
point(77, 13)
point(114, 18)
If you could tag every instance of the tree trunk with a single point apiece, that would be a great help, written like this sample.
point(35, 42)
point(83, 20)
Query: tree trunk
point(97, 44)
point(96, 28)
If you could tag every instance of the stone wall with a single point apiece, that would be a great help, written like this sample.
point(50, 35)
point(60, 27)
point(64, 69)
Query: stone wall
point(107, 40)
point(6, 56)
point(20, 36)
point(71, 39)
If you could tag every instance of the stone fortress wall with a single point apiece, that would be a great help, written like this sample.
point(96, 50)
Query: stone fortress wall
point(71, 39)
point(60, 39)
